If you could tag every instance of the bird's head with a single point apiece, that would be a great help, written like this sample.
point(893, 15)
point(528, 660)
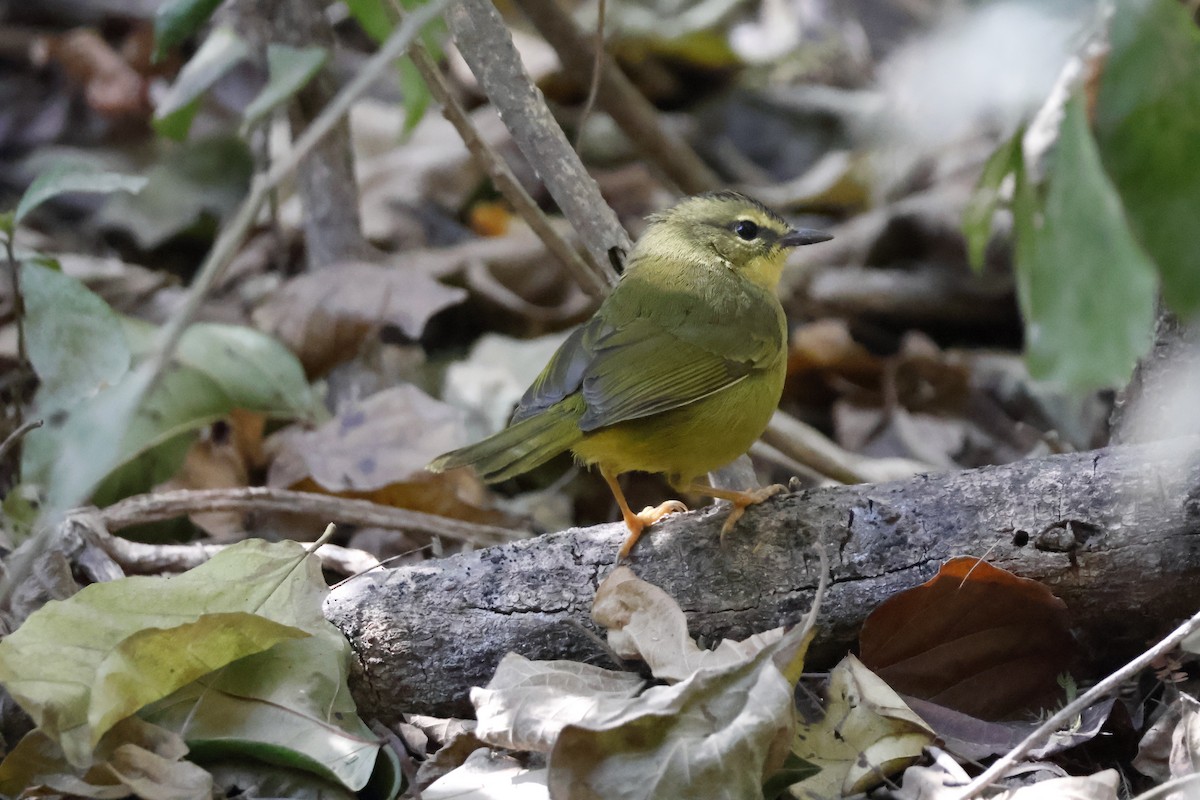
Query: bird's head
point(742, 234)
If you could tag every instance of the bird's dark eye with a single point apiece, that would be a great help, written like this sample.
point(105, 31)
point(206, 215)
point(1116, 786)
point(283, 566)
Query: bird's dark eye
point(746, 229)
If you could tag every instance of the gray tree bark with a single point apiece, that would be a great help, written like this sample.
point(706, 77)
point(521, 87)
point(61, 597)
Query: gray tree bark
point(1115, 533)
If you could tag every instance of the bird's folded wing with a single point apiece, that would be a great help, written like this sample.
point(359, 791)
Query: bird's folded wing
point(639, 368)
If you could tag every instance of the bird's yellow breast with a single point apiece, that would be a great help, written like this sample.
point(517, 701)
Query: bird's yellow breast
point(688, 442)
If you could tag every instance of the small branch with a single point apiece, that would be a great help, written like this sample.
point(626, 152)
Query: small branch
point(18, 299)
point(1071, 710)
point(628, 107)
point(594, 282)
point(145, 508)
point(17, 435)
point(813, 449)
point(488, 50)
point(597, 70)
point(138, 558)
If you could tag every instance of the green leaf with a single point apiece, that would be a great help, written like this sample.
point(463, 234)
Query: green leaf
point(222, 51)
point(289, 70)
point(208, 176)
point(1148, 126)
point(288, 706)
point(74, 176)
point(178, 19)
point(415, 93)
point(75, 340)
point(373, 16)
point(122, 442)
point(981, 208)
point(79, 665)
point(1086, 288)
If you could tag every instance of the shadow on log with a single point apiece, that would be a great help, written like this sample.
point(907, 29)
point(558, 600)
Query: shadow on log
point(1115, 533)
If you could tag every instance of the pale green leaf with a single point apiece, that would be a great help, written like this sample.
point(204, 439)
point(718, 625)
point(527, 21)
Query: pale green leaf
point(288, 705)
point(79, 665)
point(1147, 126)
point(209, 176)
point(977, 218)
point(222, 50)
point(289, 69)
point(176, 20)
point(486, 775)
point(121, 442)
point(1087, 290)
point(74, 339)
point(70, 177)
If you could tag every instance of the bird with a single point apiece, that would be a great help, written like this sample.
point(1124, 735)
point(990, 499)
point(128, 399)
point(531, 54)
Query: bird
point(678, 371)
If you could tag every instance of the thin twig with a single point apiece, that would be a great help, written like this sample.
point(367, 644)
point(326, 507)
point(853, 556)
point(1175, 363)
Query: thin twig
point(486, 46)
point(592, 281)
point(628, 107)
point(1077, 706)
point(16, 436)
point(597, 69)
point(18, 300)
point(156, 507)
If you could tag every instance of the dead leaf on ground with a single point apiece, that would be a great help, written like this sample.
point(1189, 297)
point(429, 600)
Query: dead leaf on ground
point(325, 316)
point(645, 622)
point(974, 638)
point(975, 739)
point(489, 776)
point(867, 734)
point(133, 757)
point(112, 87)
point(377, 450)
point(222, 457)
point(1171, 748)
point(527, 703)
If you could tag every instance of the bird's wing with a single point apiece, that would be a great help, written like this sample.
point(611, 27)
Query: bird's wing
point(641, 366)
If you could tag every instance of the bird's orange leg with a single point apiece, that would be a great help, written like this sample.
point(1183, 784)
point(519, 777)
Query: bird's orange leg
point(741, 500)
point(637, 522)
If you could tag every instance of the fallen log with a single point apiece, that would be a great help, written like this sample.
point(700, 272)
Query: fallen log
point(1115, 533)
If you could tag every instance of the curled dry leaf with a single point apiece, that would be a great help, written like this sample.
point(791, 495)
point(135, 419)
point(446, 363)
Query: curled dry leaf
point(324, 317)
point(527, 703)
point(867, 734)
point(974, 638)
point(1171, 748)
point(645, 622)
point(377, 450)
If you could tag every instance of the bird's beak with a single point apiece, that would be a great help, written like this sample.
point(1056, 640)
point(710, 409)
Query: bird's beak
point(804, 236)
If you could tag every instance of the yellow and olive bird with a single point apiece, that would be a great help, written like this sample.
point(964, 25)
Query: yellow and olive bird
point(678, 371)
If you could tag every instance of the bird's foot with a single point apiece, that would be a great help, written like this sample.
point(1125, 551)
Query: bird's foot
point(644, 519)
point(743, 500)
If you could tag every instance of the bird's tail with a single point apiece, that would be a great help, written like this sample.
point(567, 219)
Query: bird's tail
point(518, 448)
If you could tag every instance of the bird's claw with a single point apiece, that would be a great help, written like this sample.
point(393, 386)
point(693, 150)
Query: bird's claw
point(746, 500)
point(645, 518)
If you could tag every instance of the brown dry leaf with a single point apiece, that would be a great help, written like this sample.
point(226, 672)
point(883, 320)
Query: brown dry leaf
point(112, 87)
point(974, 638)
point(325, 316)
point(824, 360)
point(134, 757)
point(377, 450)
point(222, 458)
